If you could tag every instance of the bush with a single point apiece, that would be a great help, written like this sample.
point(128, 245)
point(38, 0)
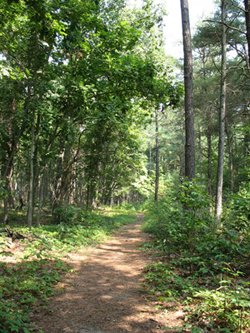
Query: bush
point(225, 309)
point(239, 211)
point(66, 214)
point(241, 204)
point(181, 218)
point(161, 279)
point(22, 285)
point(12, 319)
point(199, 254)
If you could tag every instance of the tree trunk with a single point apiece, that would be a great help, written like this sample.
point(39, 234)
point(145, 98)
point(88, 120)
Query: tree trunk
point(188, 82)
point(222, 113)
point(230, 141)
point(247, 16)
point(8, 163)
point(8, 200)
point(32, 175)
point(199, 143)
point(209, 151)
point(150, 159)
point(156, 157)
point(231, 164)
point(40, 196)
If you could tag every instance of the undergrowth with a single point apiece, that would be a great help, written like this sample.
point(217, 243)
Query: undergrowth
point(206, 266)
point(30, 280)
point(22, 285)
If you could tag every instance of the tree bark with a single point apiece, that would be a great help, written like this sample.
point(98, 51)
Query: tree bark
point(188, 82)
point(8, 165)
point(247, 16)
point(156, 157)
point(8, 200)
point(230, 150)
point(32, 175)
point(222, 114)
point(209, 151)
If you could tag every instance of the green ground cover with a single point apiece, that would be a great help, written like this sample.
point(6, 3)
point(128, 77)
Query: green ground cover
point(31, 267)
point(202, 267)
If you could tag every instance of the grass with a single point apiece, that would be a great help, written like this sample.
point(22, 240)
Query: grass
point(30, 280)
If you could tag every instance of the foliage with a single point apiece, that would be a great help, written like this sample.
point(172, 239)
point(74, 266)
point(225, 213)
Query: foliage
point(31, 281)
point(162, 279)
point(239, 210)
point(226, 308)
point(22, 286)
point(77, 228)
point(77, 86)
point(190, 224)
point(67, 214)
point(79, 82)
point(205, 266)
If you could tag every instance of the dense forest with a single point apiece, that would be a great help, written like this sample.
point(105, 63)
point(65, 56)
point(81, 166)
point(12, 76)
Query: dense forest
point(79, 83)
point(94, 115)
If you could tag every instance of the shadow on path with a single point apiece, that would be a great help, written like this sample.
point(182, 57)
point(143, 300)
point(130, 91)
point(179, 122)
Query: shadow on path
point(104, 294)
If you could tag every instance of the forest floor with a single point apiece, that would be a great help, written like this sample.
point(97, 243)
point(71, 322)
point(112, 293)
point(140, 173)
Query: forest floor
point(104, 293)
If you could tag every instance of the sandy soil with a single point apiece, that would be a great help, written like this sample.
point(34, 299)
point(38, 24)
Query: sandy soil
point(105, 293)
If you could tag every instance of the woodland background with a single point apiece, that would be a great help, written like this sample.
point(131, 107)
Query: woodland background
point(92, 115)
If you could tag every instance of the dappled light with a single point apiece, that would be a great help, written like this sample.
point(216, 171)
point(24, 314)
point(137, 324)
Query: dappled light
point(106, 291)
point(103, 133)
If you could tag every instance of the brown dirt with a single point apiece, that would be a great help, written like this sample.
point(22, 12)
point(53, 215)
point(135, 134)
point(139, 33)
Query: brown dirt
point(105, 293)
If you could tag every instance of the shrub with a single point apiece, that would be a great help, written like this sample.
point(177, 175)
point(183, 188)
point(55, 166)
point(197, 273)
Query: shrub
point(66, 214)
point(199, 254)
point(225, 309)
point(181, 218)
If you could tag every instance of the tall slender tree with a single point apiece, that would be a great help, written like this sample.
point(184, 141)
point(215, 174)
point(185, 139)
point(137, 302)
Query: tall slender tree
point(188, 82)
point(222, 114)
point(247, 16)
point(157, 171)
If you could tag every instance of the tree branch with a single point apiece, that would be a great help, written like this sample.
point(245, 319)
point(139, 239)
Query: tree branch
point(226, 25)
point(238, 7)
point(239, 52)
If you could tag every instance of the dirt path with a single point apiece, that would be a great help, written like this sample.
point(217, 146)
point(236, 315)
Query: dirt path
point(105, 294)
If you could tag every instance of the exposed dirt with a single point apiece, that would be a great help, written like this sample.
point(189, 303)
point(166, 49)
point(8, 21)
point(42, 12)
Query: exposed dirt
point(105, 293)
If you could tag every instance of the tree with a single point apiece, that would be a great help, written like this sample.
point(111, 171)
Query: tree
point(188, 82)
point(207, 42)
point(247, 16)
point(157, 167)
point(222, 115)
point(77, 87)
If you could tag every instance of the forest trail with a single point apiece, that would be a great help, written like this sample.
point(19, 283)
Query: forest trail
point(105, 292)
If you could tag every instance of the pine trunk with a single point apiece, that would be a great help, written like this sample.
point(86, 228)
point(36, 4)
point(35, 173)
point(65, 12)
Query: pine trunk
point(209, 152)
point(247, 16)
point(222, 114)
point(188, 82)
point(156, 157)
point(32, 176)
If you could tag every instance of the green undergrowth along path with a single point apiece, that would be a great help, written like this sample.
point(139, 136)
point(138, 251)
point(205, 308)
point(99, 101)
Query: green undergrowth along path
point(197, 266)
point(22, 285)
point(30, 267)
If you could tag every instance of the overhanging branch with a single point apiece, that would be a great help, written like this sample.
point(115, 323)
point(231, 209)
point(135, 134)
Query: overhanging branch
point(227, 25)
